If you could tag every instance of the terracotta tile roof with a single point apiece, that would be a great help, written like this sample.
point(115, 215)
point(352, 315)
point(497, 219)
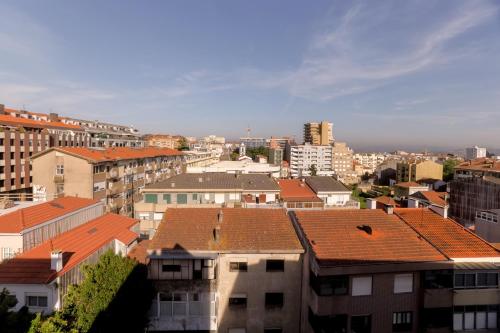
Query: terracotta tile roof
point(296, 190)
point(28, 217)
point(20, 121)
point(115, 153)
point(77, 244)
point(139, 252)
point(386, 200)
point(8, 110)
point(241, 229)
point(409, 184)
point(335, 238)
point(480, 164)
point(436, 198)
point(450, 237)
point(126, 236)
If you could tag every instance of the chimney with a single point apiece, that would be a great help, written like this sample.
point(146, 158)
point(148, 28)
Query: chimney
point(56, 260)
point(413, 203)
point(389, 209)
point(53, 116)
point(217, 233)
point(371, 203)
point(2, 109)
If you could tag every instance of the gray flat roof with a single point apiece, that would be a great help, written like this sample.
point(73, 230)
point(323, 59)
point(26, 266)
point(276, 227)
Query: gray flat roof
point(325, 184)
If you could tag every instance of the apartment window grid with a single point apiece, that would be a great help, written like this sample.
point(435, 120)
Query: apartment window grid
point(471, 280)
point(476, 317)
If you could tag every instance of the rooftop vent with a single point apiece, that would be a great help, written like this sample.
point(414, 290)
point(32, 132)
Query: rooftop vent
point(217, 233)
point(365, 228)
point(220, 216)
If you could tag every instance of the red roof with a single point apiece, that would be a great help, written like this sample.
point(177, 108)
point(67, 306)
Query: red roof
point(296, 190)
point(482, 164)
point(116, 153)
point(33, 266)
point(336, 238)
point(20, 121)
point(139, 252)
point(450, 237)
point(386, 200)
point(410, 184)
point(437, 198)
point(241, 229)
point(29, 217)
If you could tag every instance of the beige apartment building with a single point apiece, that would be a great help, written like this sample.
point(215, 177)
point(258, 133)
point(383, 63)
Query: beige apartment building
point(237, 270)
point(114, 176)
point(412, 171)
point(318, 133)
point(162, 140)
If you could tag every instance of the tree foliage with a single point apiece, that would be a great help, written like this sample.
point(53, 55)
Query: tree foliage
point(448, 169)
point(253, 152)
point(10, 320)
point(313, 170)
point(114, 295)
point(183, 144)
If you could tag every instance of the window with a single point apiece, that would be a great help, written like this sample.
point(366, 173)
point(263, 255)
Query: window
point(171, 268)
point(238, 301)
point(274, 300)
point(275, 265)
point(438, 279)
point(151, 198)
point(36, 301)
point(238, 267)
point(487, 279)
point(401, 321)
point(59, 169)
point(195, 196)
point(167, 198)
point(476, 280)
point(7, 253)
point(403, 283)
point(361, 324)
point(59, 188)
point(182, 198)
point(471, 317)
point(465, 280)
point(361, 286)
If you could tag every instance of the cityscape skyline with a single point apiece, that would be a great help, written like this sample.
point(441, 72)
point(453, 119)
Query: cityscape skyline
point(430, 67)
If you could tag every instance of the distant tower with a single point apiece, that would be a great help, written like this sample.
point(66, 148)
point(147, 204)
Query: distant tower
point(243, 149)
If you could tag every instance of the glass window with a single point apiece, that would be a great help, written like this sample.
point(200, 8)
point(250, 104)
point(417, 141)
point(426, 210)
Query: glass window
point(361, 286)
point(182, 198)
point(151, 198)
point(275, 265)
point(238, 267)
point(60, 169)
point(167, 198)
point(274, 300)
point(361, 324)
point(403, 283)
point(401, 321)
point(239, 301)
point(171, 268)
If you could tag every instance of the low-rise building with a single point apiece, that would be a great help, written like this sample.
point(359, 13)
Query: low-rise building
point(40, 277)
point(114, 176)
point(333, 193)
point(436, 201)
point(25, 228)
point(474, 152)
point(236, 270)
point(369, 161)
point(243, 166)
point(296, 194)
point(303, 159)
point(404, 190)
point(414, 170)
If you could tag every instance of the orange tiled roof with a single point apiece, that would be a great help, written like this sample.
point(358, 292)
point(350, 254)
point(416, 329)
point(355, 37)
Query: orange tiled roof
point(242, 229)
point(437, 198)
point(28, 217)
point(118, 153)
point(450, 237)
point(19, 121)
point(77, 245)
point(140, 253)
point(8, 110)
point(481, 164)
point(335, 238)
point(296, 190)
point(409, 184)
point(386, 200)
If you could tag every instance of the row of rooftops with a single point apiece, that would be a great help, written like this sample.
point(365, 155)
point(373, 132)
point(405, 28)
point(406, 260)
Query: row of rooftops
point(12, 117)
point(480, 164)
point(336, 237)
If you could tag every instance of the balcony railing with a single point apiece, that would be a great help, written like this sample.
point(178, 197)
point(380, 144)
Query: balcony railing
point(58, 178)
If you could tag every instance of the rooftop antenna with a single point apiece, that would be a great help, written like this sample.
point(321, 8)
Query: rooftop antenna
point(248, 131)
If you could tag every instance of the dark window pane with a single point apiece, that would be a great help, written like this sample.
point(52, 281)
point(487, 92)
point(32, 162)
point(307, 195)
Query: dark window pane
point(273, 265)
point(274, 300)
point(171, 268)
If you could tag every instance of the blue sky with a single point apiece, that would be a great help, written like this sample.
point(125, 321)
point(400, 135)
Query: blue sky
point(409, 74)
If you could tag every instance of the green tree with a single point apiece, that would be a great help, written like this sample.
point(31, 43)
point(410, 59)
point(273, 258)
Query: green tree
point(183, 144)
point(10, 320)
point(449, 169)
point(253, 152)
point(313, 170)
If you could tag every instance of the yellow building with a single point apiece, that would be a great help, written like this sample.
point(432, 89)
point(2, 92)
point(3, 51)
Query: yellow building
point(412, 171)
point(318, 133)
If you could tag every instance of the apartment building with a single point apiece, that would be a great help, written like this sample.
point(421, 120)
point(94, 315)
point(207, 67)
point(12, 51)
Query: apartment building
point(204, 190)
point(414, 170)
point(114, 176)
point(277, 142)
point(276, 156)
point(200, 159)
point(475, 187)
point(474, 152)
point(27, 227)
point(333, 193)
point(304, 158)
point(343, 163)
point(107, 135)
point(162, 140)
point(486, 225)
point(237, 270)
point(369, 161)
point(318, 133)
point(40, 277)
point(411, 271)
point(23, 134)
point(251, 142)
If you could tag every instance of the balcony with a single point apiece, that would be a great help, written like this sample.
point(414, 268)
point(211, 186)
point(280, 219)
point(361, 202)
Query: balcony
point(113, 173)
point(58, 178)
